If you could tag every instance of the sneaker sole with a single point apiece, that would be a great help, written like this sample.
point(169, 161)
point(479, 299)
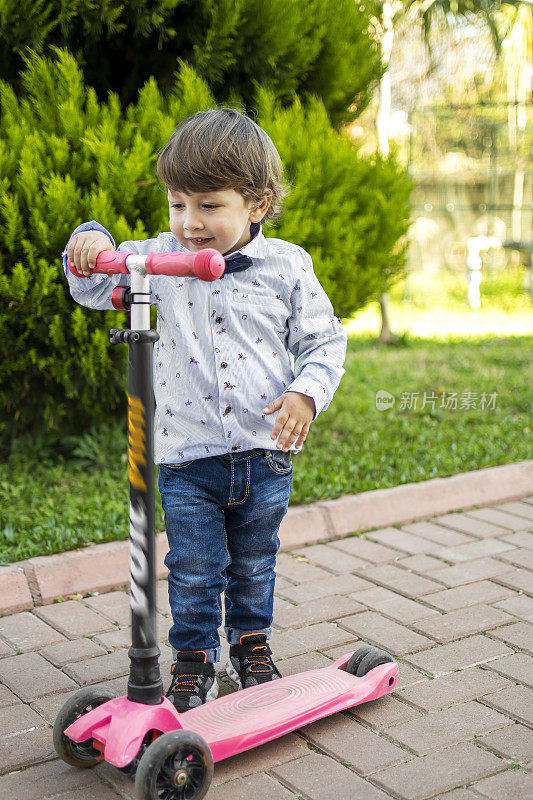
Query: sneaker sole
point(232, 673)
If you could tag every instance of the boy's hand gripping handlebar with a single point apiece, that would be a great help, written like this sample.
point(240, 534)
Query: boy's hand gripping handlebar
point(207, 265)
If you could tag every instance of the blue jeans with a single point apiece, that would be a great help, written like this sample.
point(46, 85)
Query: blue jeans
point(222, 516)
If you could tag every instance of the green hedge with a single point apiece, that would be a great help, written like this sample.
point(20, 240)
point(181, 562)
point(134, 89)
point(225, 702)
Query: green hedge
point(66, 158)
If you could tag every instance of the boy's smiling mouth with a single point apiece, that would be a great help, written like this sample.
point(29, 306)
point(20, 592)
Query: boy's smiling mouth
point(200, 240)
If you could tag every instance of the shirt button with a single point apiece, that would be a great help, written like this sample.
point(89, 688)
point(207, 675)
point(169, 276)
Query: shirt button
point(227, 410)
point(223, 365)
point(218, 319)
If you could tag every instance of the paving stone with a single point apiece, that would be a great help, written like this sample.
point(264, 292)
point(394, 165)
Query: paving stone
point(161, 592)
point(408, 676)
point(393, 605)
point(507, 521)
point(406, 542)
point(437, 533)
point(420, 563)
point(519, 509)
point(325, 609)
point(15, 594)
point(266, 757)
point(26, 632)
point(516, 701)
point(520, 606)
point(457, 687)
point(7, 698)
point(45, 780)
point(471, 594)
point(19, 718)
point(470, 571)
point(258, 785)
point(431, 775)
point(518, 667)
point(459, 794)
point(97, 792)
point(307, 661)
point(514, 783)
point(298, 569)
point(286, 644)
point(383, 712)
point(114, 605)
point(25, 749)
point(99, 668)
point(117, 639)
point(520, 635)
point(30, 676)
point(464, 621)
point(314, 590)
point(521, 539)
point(474, 550)
point(518, 557)
point(325, 634)
point(458, 655)
point(73, 618)
point(514, 742)
point(521, 579)
point(402, 581)
point(50, 706)
point(347, 741)
point(377, 630)
point(71, 650)
point(5, 648)
point(450, 726)
point(332, 558)
point(317, 777)
point(361, 547)
point(467, 524)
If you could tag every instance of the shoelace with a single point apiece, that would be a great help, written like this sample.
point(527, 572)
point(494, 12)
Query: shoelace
point(259, 660)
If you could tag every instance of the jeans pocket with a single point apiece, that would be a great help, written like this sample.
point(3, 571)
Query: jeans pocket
point(278, 461)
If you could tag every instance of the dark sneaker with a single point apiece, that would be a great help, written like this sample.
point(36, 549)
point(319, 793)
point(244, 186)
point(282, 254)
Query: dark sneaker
point(193, 681)
point(250, 662)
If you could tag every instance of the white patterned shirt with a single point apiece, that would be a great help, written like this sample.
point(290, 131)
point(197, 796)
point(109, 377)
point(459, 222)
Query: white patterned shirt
point(230, 347)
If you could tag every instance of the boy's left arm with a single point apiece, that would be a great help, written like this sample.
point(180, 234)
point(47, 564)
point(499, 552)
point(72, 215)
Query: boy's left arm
point(318, 341)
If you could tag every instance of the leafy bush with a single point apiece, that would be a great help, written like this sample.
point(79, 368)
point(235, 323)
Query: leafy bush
point(305, 46)
point(65, 158)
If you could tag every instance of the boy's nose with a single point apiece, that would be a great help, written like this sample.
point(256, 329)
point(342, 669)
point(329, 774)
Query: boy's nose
point(192, 221)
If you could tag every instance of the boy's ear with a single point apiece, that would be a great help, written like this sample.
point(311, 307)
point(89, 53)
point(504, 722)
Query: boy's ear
point(258, 211)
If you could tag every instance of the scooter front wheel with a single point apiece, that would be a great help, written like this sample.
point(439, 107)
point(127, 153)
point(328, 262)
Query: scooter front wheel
point(177, 766)
point(365, 659)
point(79, 754)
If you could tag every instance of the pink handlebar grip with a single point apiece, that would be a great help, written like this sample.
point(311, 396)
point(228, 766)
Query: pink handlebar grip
point(110, 261)
point(207, 265)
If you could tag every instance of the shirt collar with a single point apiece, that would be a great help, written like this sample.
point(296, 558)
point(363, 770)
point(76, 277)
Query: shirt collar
point(257, 247)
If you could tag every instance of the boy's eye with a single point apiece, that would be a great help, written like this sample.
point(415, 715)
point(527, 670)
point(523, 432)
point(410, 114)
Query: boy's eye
point(210, 205)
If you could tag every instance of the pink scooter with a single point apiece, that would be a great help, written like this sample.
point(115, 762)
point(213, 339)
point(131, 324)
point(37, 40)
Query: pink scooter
point(169, 754)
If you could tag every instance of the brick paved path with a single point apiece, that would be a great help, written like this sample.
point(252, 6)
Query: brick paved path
point(450, 598)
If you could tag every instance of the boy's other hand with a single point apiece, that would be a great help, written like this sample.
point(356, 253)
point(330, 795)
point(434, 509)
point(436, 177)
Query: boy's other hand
point(297, 411)
point(84, 248)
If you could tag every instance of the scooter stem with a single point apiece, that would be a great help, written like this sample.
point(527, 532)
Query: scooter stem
point(144, 684)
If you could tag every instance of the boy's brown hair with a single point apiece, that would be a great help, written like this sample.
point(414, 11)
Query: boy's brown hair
point(223, 149)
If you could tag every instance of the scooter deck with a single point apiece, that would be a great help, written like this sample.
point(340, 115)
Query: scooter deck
point(238, 721)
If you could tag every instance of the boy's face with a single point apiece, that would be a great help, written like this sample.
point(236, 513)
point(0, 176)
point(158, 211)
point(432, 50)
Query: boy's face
point(219, 219)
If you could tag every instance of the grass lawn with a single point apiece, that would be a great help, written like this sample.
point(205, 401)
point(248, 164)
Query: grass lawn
point(463, 399)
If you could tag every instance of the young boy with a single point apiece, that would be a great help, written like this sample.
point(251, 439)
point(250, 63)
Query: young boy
point(263, 339)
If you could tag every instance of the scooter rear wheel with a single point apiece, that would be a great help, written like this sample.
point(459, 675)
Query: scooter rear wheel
point(177, 766)
point(365, 659)
point(79, 754)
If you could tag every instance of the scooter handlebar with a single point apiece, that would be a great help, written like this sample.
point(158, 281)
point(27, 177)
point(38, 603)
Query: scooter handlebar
point(207, 265)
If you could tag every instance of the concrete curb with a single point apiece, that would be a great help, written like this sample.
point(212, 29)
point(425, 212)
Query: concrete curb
point(99, 568)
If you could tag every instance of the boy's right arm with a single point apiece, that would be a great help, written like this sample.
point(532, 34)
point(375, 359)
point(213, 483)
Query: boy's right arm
point(85, 244)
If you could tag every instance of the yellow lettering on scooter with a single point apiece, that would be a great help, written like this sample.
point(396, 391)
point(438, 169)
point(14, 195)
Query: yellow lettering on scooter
point(137, 448)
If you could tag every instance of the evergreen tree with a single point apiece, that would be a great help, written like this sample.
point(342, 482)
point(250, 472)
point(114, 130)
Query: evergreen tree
point(321, 47)
point(65, 157)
